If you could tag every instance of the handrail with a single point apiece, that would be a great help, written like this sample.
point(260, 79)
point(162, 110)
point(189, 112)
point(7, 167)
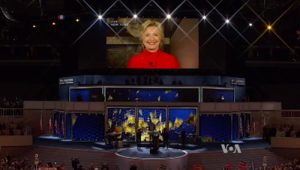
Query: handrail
point(11, 112)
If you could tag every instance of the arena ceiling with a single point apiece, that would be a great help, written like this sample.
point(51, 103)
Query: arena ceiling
point(35, 9)
point(281, 16)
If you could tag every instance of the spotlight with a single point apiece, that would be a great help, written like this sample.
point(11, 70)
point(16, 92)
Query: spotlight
point(227, 21)
point(135, 16)
point(204, 17)
point(100, 17)
point(53, 23)
point(269, 27)
point(60, 17)
point(250, 24)
point(168, 16)
point(77, 20)
point(33, 26)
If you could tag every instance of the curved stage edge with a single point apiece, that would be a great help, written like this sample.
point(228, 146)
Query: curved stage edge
point(165, 158)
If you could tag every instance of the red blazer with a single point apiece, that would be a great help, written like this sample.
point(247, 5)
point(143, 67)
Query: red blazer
point(156, 60)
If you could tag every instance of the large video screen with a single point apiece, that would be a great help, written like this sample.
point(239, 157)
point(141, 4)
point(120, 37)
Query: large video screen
point(86, 94)
point(152, 94)
point(114, 41)
point(182, 119)
point(148, 117)
point(121, 123)
point(217, 95)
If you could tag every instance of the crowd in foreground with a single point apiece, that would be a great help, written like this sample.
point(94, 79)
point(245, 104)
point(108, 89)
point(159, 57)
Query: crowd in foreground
point(289, 165)
point(9, 163)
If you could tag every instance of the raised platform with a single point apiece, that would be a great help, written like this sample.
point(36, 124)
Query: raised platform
point(141, 157)
point(15, 140)
point(285, 142)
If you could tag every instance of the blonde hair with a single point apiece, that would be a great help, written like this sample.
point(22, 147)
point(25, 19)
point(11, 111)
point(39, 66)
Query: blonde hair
point(152, 23)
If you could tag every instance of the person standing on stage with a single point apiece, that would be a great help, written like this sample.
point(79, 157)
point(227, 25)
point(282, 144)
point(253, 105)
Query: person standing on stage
point(152, 37)
point(183, 138)
point(165, 135)
point(138, 137)
point(151, 129)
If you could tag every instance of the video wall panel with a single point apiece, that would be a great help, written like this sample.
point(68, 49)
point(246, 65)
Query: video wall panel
point(121, 122)
point(150, 120)
point(182, 119)
point(152, 94)
point(86, 94)
point(217, 94)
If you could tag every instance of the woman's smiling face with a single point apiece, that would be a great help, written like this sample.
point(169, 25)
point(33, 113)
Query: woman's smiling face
point(151, 38)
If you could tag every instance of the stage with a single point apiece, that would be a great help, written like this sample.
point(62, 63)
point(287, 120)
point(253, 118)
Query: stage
point(142, 158)
point(245, 143)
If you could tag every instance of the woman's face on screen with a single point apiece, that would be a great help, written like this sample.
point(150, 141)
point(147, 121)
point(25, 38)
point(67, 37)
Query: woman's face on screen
point(151, 38)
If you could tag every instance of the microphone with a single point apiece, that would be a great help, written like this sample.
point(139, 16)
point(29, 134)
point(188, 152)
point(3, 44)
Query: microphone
point(151, 64)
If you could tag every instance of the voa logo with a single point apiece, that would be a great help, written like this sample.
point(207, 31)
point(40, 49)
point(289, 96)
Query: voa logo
point(231, 148)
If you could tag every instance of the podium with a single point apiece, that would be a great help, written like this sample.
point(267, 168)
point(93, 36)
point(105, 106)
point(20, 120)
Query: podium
point(169, 158)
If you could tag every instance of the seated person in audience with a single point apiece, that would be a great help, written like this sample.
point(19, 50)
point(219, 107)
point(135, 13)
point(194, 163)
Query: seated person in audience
point(104, 166)
point(133, 167)
point(280, 132)
point(293, 133)
point(289, 131)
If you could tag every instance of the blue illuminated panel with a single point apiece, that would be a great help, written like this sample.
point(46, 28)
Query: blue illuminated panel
point(182, 119)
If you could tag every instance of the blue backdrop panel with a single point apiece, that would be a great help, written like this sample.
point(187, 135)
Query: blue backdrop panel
point(182, 119)
point(68, 134)
point(235, 127)
point(86, 94)
point(88, 127)
point(218, 95)
point(152, 94)
point(219, 127)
